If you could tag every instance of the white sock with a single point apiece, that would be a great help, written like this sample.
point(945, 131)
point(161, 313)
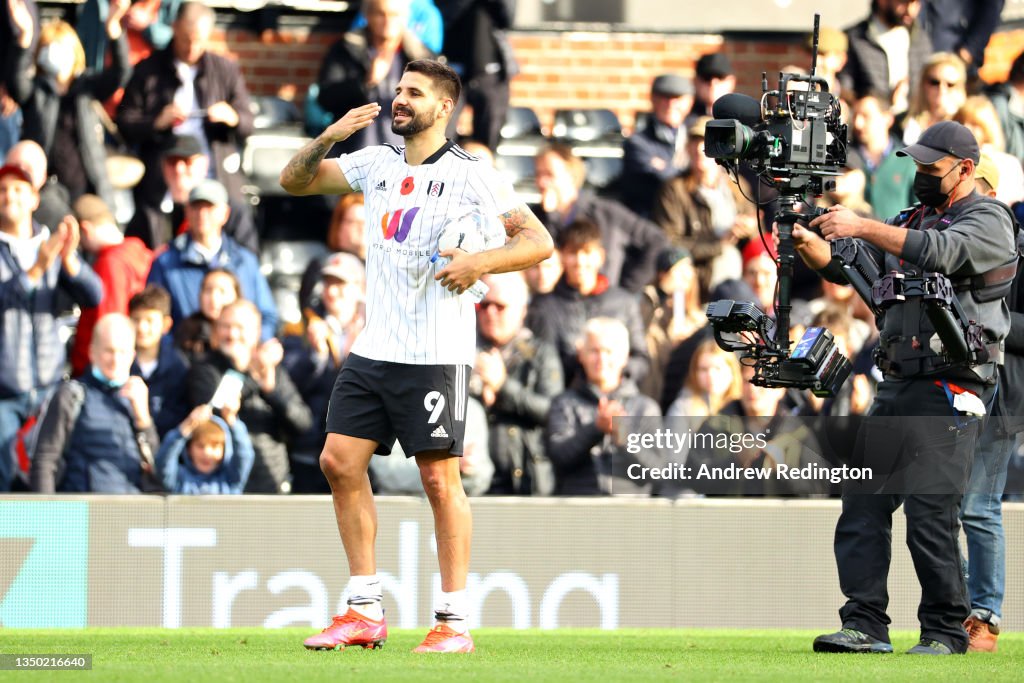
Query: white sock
point(453, 609)
point(364, 596)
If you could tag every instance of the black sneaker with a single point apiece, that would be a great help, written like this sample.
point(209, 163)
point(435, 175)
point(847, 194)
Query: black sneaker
point(927, 646)
point(850, 640)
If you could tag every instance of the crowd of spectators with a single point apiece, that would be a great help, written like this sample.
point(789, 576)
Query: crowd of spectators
point(183, 377)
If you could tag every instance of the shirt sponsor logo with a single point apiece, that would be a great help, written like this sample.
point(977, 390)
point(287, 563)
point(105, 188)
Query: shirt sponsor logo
point(397, 224)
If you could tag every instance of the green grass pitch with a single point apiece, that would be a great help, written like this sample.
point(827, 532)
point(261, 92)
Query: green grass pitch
point(253, 655)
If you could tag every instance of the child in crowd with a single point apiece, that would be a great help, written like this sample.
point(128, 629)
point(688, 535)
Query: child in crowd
point(157, 362)
point(218, 453)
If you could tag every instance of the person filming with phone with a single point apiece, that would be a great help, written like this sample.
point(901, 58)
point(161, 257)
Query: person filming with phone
point(238, 365)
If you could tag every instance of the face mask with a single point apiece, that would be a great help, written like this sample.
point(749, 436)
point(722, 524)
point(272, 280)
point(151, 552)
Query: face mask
point(104, 380)
point(928, 188)
point(56, 60)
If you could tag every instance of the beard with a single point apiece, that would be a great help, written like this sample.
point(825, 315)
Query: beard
point(417, 123)
point(894, 18)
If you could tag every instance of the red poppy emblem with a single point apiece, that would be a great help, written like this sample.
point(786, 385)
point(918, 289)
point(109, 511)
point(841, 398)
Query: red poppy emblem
point(407, 185)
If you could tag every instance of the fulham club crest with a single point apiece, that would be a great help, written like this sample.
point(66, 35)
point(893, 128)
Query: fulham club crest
point(435, 188)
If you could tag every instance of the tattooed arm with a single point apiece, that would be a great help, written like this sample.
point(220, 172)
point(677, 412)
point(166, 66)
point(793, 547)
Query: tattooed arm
point(528, 243)
point(308, 173)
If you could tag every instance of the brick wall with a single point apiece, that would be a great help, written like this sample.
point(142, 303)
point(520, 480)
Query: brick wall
point(569, 70)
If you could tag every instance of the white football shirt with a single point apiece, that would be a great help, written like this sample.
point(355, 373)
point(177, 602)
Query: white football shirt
point(410, 317)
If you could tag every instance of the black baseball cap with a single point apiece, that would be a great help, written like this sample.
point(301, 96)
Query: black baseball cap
point(943, 139)
point(714, 65)
point(182, 146)
point(671, 85)
point(670, 256)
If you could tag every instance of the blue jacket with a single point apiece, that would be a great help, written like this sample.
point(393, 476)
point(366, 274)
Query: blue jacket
point(98, 451)
point(180, 271)
point(179, 475)
point(641, 174)
point(32, 355)
point(168, 403)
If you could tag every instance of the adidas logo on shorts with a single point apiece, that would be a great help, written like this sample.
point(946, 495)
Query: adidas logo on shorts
point(439, 433)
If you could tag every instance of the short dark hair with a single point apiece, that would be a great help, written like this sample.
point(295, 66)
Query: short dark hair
point(1017, 70)
point(223, 271)
point(445, 80)
point(579, 235)
point(152, 298)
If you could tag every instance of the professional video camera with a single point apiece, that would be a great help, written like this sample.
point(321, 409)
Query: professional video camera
point(793, 140)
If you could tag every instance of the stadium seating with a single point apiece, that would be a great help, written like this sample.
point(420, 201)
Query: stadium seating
point(521, 123)
point(586, 125)
point(283, 263)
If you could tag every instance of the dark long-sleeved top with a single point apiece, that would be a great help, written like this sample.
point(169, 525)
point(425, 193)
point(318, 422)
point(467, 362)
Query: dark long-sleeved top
point(583, 455)
point(647, 157)
point(342, 82)
point(7, 61)
point(41, 105)
point(96, 453)
point(631, 243)
point(559, 318)
point(152, 87)
point(474, 37)
point(519, 414)
point(1011, 385)
point(271, 418)
point(976, 238)
point(867, 66)
point(955, 24)
point(168, 402)
point(32, 355)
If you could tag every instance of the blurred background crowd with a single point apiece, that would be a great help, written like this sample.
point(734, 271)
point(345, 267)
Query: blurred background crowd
point(147, 252)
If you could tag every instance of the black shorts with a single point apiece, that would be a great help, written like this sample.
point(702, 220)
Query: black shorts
point(423, 406)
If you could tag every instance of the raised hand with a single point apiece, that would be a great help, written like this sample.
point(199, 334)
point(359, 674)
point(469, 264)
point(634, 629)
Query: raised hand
point(21, 22)
point(69, 250)
point(137, 393)
point(170, 116)
point(118, 8)
point(222, 112)
point(354, 120)
point(199, 415)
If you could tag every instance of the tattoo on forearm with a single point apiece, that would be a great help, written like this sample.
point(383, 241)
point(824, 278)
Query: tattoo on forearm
point(304, 165)
point(527, 234)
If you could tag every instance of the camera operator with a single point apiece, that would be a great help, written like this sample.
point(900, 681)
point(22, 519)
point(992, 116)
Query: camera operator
point(970, 239)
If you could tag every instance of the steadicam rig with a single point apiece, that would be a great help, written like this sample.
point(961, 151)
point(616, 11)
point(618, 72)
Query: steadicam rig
point(793, 140)
point(815, 363)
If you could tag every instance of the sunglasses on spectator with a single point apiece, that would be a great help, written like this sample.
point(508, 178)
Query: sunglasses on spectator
point(484, 305)
point(936, 82)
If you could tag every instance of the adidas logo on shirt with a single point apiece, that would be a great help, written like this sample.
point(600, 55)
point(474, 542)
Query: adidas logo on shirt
point(381, 186)
point(439, 433)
